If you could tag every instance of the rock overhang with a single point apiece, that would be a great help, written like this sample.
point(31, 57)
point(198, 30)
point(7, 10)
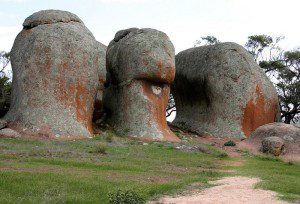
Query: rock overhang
point(141, 51)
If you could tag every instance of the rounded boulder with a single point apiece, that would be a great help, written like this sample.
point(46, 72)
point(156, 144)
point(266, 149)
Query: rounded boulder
point(219, 90)
point(55, 61)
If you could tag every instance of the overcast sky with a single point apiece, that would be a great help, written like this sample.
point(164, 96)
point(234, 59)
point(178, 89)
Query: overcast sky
point(184, 21)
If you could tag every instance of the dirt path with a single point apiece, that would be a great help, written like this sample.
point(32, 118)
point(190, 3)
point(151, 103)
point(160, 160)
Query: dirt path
point(229, 190)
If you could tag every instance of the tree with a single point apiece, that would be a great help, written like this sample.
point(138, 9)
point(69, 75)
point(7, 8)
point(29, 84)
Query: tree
point(283, 68)
point(265, 51)
point(5, 83)
point(288, 87)
point(171, 106)
point(207, 40)
point(4, 60)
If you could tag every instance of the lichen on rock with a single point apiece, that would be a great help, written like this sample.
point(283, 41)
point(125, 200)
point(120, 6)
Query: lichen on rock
point(219, 90)
point(140, 68)
point(55, 62)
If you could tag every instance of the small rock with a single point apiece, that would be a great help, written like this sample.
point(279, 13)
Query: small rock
point(273, 145)
point(287, 132)
point(9, 133)
point(3, 124)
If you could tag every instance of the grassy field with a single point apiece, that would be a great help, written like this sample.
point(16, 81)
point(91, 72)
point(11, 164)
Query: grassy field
point(86, 171)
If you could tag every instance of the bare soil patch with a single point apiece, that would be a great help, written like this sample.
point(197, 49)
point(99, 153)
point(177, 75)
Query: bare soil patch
point(233, 190)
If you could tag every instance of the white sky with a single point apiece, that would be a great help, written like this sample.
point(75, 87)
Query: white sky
point(184, 21)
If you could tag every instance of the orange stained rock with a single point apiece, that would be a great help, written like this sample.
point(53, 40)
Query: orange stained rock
point(258, 112)
point(159, 103)
point(83, 111)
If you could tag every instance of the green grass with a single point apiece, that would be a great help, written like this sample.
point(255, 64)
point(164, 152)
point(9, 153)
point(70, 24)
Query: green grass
point(73, 172)
point(34, 171)
point(276, 175)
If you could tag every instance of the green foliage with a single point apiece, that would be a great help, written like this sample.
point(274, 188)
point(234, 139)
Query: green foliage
point(109, 137)
point(207, 40)
point(260, 40)
point(262, 47)
point(293, 56)
point(125, 197)
point(222, 155)
point(100, 148)
point(229, 143)
point(272, 65)
point(5, 84)
point(282, 65)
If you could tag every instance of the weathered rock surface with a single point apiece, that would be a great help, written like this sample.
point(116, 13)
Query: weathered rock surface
point(3, 124)
point(140, 68)
point(55, 61)
point(289, 133)
point(98, 108)
point(273, 145)
point(219, 90)
point(9, 133)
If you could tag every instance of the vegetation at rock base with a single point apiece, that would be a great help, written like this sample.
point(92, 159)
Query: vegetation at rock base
point(100, 148)
point(5, 83)
point(35, 171)
point(229, 143)
point(125, 197)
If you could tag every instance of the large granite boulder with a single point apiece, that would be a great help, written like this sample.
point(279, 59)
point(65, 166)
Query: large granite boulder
point(219, 90)
point(55, 61)
point(140, 67)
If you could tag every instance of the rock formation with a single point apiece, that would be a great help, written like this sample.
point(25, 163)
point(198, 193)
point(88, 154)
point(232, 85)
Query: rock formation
point(98, 108)
point(272, 145)
point(287, 132)
point(219, 90)
point(55, 61)
point(140, 67)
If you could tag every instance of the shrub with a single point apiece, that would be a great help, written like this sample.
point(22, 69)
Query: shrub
point(222, 155)
point(229, 143)
point(125, 197)
point(109, 137)
point(100, 148)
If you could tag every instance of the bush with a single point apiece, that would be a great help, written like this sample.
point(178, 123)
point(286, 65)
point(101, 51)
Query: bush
point(222, 155)
point(229, 143)
point(109, 137)
point(100, 148)
point(125, 197)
